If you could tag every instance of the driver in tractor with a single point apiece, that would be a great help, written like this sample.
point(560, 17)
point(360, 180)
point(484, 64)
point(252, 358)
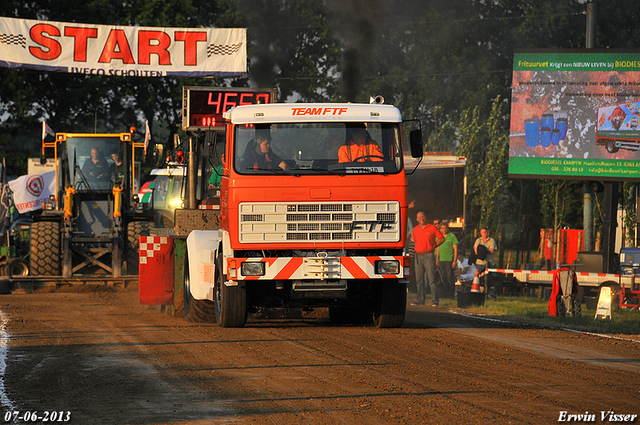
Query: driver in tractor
point(359, 146)
point(96, 167)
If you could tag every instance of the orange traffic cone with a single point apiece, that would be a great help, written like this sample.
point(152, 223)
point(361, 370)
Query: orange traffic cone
point(475, 286)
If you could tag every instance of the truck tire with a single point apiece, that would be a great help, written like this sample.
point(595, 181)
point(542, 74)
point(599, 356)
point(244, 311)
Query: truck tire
point(16, 267)
point(392, 305)
point(230, 301)
point(611, 146)
point(45, 250)
point(135, 229)
point(198, 311)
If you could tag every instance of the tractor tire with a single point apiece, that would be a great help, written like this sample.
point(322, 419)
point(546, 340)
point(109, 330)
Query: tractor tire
point(135, 229)
point(392, 305)
point(230, 301)
point(16, 267)
point(45, 251)
point(198, 311)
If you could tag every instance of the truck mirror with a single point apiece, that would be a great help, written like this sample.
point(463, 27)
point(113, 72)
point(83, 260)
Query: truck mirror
point(415, 141)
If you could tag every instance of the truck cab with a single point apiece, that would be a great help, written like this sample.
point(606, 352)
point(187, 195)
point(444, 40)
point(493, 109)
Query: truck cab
point(313, 213)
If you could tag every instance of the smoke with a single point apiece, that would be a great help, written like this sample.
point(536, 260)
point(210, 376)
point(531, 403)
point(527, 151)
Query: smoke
point(356, 23)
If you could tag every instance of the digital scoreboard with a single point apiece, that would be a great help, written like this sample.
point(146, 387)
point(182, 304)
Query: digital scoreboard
point(202, 107)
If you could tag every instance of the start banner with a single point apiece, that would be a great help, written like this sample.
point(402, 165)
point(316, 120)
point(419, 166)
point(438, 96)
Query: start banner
point(122, 50)
point(30, 191)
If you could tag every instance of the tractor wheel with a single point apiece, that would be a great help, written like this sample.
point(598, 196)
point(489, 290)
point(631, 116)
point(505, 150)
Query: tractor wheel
point(45, 251)
point(230, 301)
point(16, 267)
point(199, 311)
point(392, 305)
point(135, 229)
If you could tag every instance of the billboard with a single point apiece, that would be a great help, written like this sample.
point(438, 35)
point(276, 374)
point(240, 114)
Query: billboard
point(575, 114)
point(123, 51)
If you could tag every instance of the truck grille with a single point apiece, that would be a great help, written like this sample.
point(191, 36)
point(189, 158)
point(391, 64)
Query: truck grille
point(319, 222)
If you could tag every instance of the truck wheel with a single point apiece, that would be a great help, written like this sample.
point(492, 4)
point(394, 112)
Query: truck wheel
point(44, 257)
point(135, 229)
point(199, 311)
point(16, 267)
point(611, 146)
point(392, 305)
point(231, 301)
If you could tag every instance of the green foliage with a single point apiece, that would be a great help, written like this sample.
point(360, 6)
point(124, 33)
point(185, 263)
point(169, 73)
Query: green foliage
point(561, 203)
point(485, 144)
point(629, 194)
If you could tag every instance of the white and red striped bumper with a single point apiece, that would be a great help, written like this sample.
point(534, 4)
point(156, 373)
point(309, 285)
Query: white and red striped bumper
point(305, 268)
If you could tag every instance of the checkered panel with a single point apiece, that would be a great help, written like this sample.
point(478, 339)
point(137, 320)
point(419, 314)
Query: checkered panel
point(149, 245)
point(19, 39)
point(223, 49)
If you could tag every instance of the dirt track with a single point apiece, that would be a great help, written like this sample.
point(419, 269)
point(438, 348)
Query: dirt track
point(107, 360)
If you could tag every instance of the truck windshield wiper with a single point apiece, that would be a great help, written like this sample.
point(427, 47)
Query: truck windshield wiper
point(317, 170)
point(273, 170)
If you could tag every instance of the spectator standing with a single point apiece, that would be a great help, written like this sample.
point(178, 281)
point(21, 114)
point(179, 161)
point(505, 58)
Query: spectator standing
point(410, 247)
point(446, 256)
point(489, 243)
point(427, 238)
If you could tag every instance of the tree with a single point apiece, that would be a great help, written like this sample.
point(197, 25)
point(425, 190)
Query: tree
point(486, 146)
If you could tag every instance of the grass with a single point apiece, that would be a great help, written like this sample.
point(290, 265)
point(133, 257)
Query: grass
point(534, 311)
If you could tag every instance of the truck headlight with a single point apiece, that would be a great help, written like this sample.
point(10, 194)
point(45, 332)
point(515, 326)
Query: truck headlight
point(387, 267)
point(252, 268)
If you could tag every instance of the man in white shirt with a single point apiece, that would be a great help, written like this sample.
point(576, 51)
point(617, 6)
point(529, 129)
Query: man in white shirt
point(464, 270)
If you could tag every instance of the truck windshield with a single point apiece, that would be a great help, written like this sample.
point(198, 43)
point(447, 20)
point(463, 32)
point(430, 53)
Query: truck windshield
point(92, 162)
point(312, 148)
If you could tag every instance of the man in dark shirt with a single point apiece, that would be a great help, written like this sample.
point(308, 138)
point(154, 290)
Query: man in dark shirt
point(96, 167)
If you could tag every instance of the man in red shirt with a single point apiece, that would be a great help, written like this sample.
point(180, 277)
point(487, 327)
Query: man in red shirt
point(427, 238)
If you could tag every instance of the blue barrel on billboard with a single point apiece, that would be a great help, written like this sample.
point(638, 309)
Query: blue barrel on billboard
point(532, 132)
point(562, 124)
point(545, 136)
point(555, 137)
point(547, 120)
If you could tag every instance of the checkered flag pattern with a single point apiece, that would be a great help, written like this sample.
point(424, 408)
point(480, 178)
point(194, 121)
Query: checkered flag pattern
point(149, 245)
point(223, 49)
point(14, 39)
